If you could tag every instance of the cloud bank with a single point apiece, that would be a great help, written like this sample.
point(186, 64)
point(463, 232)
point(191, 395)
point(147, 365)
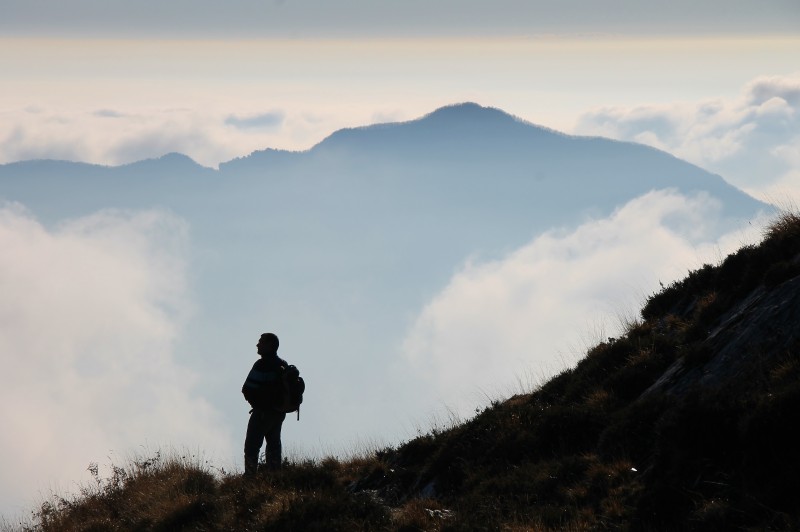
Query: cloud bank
point(110, 136)
point(88, 318)
point(267, 120)
point(499, 325)
point(211, 135)
point(752, 141)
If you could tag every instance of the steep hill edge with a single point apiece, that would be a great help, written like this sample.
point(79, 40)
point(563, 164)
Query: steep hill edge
point(685, 422)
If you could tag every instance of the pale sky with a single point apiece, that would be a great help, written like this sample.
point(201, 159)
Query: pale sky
point(716, 83)
point(113, 101)
point(410, 18)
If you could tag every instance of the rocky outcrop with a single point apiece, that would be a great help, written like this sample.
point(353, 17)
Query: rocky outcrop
point(748, 338)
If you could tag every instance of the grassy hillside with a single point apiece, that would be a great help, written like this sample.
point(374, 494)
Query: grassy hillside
point(688, 421)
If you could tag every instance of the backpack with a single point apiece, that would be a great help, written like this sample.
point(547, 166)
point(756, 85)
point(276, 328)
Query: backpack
point(292, 387)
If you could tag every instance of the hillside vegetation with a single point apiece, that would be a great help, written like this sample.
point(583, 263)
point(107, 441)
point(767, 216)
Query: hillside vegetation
point(688, 421)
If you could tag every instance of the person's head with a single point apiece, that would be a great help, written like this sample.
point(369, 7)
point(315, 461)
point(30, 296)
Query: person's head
point(267, 344)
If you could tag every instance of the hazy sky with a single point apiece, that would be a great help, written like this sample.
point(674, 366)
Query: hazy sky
point(717, 83)
point(351, 18)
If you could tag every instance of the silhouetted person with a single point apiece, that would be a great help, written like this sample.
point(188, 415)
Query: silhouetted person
point(262, 389)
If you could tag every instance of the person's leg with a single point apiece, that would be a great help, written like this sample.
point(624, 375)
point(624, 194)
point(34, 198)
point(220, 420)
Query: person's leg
point(273, 436)
point(252, 441)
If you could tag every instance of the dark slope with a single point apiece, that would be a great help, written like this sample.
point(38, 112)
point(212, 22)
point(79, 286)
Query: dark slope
point(687, 422)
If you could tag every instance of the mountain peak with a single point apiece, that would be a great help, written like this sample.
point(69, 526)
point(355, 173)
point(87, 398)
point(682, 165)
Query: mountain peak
point(172, 158)
point(466, 121)
point(468, 111)
point(171, 161)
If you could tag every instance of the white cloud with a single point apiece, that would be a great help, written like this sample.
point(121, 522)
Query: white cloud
point(109, 136)
point(268, 120)
point(89, 314)
point(751, 141)
point(499, 321)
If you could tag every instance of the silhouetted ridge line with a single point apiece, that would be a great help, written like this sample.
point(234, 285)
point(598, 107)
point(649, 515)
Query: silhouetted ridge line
point(176, 162)
point(467, 124)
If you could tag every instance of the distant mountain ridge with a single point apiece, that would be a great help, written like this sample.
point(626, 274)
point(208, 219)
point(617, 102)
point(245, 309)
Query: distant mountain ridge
point(464, 123)
point(353, 237)
point(459, 153)
point(473, 154)
point(468, 123)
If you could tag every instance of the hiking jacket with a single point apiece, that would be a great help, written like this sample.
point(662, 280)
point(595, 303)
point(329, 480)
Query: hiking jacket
point(262, 388)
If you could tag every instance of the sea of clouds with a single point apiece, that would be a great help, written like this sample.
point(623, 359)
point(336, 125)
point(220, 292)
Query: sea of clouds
point(90, 314)
point(93, 308)
point(503, 326)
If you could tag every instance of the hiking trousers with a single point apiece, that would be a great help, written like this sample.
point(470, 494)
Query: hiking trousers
point(263, 425)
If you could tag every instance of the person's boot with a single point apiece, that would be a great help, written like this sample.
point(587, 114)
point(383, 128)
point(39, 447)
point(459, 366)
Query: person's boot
point(250, 467)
